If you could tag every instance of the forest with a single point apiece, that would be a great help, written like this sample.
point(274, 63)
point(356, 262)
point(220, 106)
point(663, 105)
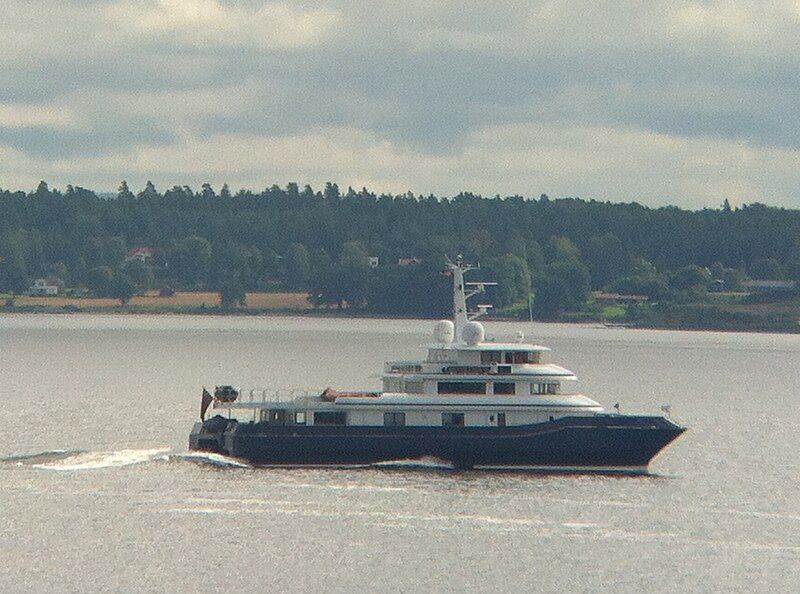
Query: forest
point(546, 253)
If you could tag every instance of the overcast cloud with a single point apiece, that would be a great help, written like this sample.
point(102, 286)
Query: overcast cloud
point(682, 103)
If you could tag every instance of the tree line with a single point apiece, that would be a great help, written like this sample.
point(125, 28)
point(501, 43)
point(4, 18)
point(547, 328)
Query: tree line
point(321, 241)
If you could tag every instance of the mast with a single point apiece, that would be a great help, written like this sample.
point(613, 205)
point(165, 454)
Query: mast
point(460, 314)
point(460, 318)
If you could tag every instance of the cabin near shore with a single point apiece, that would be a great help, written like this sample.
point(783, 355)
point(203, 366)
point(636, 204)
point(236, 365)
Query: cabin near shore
point(41, 287)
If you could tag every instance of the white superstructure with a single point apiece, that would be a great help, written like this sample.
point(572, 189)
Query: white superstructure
point(465, 380)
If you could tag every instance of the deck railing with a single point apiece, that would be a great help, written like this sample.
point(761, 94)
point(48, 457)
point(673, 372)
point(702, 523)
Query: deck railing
point(402, 367)
point(256, 395)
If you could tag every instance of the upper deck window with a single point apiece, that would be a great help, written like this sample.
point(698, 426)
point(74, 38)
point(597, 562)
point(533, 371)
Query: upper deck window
point(462, 387)
point(544, 388)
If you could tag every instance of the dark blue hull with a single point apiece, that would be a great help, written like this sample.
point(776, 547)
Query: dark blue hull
point(601, 442)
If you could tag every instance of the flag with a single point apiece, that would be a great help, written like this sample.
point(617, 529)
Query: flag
point(204, 404)
point(446, 272)
point(666, 408)
point(616, 407)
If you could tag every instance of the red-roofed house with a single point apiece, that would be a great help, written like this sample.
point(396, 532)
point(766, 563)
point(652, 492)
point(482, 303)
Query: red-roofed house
point(143, 254)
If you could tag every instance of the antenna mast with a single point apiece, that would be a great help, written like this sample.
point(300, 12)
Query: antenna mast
point(460, 295)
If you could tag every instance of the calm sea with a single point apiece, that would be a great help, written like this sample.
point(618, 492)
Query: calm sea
point(98, 491)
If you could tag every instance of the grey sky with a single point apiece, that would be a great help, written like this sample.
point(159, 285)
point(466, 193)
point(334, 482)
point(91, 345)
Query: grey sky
point(660, 102)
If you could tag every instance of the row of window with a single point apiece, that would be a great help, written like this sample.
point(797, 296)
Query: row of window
point(395, 384)
point(544, 388)
point(465, 387)
point(509, 357)
point(449, 419)
point(499, 388)
point(279, 417)
point(390, 419)
point(283, 417)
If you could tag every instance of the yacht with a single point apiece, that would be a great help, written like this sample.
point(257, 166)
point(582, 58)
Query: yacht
point(472, 403)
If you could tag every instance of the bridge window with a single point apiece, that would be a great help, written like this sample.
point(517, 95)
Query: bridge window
point(452, 419)
point(520, 357)
point(330, 418)
point(501, 419)
point(462, 387)
point(504, 387)
point(300, 417)
point(489, 357)
point(394, 419)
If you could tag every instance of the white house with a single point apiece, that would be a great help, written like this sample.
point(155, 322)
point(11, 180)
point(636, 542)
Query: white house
point(41, 288)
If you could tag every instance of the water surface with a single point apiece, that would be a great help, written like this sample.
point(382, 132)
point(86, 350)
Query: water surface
point(99, 492)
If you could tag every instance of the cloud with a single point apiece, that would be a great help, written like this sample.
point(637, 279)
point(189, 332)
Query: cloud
point(592, 162)
point(204, 23)
point(658, 102)
point(36, 116)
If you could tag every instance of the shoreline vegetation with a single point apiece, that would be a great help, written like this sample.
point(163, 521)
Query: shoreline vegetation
point(355, 253)
point(731, 312)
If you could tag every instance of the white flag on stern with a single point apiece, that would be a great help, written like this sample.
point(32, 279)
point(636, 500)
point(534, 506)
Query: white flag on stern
point(666, 409)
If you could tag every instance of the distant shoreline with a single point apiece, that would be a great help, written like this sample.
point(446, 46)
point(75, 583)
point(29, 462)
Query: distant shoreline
point(771, 325)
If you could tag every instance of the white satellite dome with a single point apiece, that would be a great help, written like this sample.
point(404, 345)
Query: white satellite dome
point(444, 331)
point(473, 333)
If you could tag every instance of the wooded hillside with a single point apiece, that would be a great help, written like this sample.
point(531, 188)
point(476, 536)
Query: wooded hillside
point(300, 239)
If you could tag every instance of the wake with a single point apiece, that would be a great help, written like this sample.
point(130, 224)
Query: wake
point(426, 462)
point(82, 460)
point(39, 457)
